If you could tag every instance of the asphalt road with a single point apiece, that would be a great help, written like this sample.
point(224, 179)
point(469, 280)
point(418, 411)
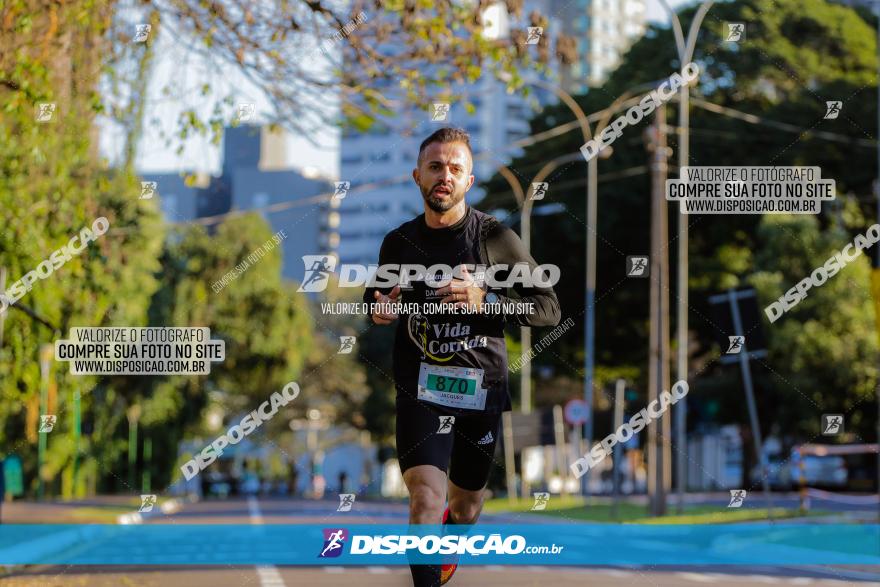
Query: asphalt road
point(280, 511)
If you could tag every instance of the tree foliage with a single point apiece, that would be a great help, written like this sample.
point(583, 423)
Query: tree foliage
point(362, 59)
point(794, 58)
point(51, 186)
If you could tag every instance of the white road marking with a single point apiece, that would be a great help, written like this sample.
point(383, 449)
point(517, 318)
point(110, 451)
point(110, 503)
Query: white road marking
point(762, 579)
point(268, 574)
point(617, 573)
point(270, 577)
point(378, 570)
point(254, 510)
point(697, 577)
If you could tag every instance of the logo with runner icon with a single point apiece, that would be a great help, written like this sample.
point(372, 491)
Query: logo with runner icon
point(832, 109)
point(148, 189)
point(539, 190)
point(534, 35)
point(735, 32)
point(147, 503)
point(541, 501)
point(439, 112)
point(446, 423)
point(245, 112)
point(832, 424)
point(141, 33)
point(45, 112)
point(334, 540)
point(737, 497)
point(341, 190)
point(637, 266)
point(47, 423)
point(346, 345)
point(736, 344)
point(346, 500)
point(318, 269)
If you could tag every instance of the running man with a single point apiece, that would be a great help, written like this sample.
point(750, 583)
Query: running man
point(452, 364)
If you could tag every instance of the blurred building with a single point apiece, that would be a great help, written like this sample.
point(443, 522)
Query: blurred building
point(604, 30)
point(254, 177)
point(378, 164)
point(613, 26)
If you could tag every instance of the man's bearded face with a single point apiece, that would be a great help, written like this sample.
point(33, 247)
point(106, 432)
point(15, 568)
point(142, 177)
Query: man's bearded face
point(444, 175)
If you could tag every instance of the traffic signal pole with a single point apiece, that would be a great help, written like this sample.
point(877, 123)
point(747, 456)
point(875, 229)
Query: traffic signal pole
point(746, 370)
point(659, 446)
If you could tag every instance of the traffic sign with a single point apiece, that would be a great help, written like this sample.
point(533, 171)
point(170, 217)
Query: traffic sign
point(575, 412)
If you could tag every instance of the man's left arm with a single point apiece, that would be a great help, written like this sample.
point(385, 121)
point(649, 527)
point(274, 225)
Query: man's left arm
point(505, 247)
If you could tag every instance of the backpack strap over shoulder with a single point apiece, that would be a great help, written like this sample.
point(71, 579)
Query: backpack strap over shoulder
point(487, 228)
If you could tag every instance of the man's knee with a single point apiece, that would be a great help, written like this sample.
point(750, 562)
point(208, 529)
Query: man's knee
point(465, 511)
point(425, 504)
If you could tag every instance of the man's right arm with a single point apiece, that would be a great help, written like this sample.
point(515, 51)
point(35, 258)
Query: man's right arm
point(385, 254)
point(387, 294)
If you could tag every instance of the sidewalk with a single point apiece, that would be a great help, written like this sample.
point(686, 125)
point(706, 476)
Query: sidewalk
point(99, 509)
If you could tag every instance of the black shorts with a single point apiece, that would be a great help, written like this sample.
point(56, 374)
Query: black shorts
point(465, 447)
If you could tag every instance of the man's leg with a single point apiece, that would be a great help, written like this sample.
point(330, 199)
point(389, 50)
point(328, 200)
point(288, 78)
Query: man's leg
point(473, 452)
point(427, 493)
point(427, 499)
point(423, 454)
point(465, 505)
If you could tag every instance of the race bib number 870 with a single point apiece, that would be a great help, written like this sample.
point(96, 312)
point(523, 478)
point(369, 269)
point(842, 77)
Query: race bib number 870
point(459, 385)
point(456, 387)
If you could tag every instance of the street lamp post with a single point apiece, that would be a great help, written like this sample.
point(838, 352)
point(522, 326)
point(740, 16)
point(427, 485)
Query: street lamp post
point(685, 54)
point(629, 97)
point(592, 206)
point(590, 294)
point(525, 378)
point(589, 321)
point(526, 235)
point(592, 226)
point(623, 101)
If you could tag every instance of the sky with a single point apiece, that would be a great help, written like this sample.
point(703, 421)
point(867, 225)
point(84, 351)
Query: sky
point(184, 72)
point(656, 12)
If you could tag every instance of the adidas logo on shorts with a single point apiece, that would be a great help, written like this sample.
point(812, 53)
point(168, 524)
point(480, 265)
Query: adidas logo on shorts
point(486, 439)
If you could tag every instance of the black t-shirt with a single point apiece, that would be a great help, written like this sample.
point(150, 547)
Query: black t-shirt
point(458, 355)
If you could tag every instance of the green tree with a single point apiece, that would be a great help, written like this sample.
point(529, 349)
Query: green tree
point(364, 58)
point(823, 352)
point(795, 57)
point(51, 186)
point(53, 183)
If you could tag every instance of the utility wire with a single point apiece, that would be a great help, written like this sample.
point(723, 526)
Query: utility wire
point(532, 140)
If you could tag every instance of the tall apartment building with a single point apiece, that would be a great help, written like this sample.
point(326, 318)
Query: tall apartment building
point(386, 156)
point(254, 176)
point(604, 30)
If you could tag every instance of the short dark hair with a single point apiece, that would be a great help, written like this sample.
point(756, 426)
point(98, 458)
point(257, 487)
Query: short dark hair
point(447, 134)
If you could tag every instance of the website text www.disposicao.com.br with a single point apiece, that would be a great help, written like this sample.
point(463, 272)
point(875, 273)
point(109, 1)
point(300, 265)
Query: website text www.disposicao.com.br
point(430, 544)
